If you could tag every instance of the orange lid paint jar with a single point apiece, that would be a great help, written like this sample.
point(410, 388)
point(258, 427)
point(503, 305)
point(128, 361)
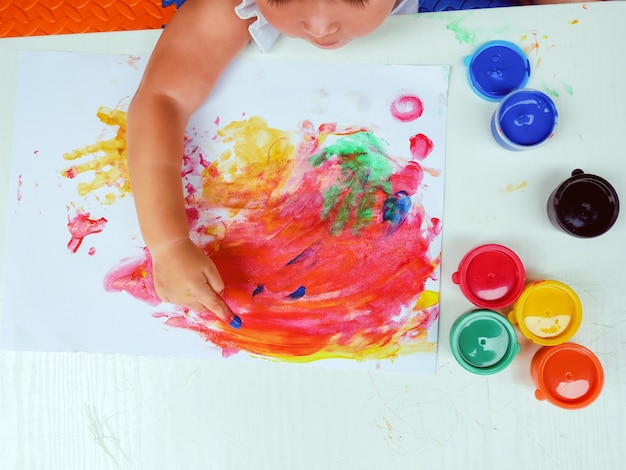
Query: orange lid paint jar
point(569, 376)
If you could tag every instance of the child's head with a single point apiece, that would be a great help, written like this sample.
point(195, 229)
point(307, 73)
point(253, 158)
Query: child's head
point(328, 24)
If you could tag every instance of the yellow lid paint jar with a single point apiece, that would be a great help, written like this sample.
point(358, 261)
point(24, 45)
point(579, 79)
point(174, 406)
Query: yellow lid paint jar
point(547, 312)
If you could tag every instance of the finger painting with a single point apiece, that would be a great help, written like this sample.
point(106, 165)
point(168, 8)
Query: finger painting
point(317, 190)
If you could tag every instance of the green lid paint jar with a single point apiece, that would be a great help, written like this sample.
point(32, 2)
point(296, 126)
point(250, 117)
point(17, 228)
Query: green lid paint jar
point(483, 342)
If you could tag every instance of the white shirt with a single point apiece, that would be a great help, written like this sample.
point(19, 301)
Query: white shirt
point(264, 34)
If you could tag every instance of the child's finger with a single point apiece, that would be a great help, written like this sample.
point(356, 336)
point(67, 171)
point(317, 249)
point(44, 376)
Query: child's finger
point(213, 278)
point(213, 303)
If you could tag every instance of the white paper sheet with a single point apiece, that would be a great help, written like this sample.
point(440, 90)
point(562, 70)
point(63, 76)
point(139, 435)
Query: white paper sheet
point(59, 297)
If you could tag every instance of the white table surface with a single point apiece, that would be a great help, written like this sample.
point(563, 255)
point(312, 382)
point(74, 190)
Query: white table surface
point(78, 411)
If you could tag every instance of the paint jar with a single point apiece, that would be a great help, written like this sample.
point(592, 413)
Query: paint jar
point(547, 312)
point(483, 342)
point(524, 119)
point(584, 205)
point(490, 276)
point(497, 68)
point(569, 376)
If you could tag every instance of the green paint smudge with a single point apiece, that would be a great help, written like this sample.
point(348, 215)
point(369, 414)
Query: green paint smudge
point(472, 36)
point(568, 88)
point(550, 91)
point(364, 172)
point(461, 33)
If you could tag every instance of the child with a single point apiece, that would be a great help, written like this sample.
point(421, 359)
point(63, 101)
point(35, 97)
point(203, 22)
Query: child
point(197, 45)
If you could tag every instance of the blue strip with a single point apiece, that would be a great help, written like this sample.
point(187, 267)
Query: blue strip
point(167, 3)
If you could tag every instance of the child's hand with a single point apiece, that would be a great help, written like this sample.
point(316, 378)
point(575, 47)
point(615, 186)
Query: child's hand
point(185, 276)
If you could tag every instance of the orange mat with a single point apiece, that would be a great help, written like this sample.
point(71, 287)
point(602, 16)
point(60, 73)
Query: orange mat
point(45, 17)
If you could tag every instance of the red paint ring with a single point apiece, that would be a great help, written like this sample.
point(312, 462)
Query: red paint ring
point(407, 108)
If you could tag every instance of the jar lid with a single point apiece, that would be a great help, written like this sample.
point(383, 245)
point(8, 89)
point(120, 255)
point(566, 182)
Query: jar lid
point(547, 312)
point(497, 68)
point(483, 342)
point(524, 119)
point(584, 205)
point(490, 276)
point(569, 375)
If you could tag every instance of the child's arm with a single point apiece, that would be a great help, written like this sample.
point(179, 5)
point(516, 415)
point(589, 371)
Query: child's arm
point(197, 45)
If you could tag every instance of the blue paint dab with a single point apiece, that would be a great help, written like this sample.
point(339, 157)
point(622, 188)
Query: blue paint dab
point(299, 292)
point(397, 207)
point(259, 289)
point(299, 257)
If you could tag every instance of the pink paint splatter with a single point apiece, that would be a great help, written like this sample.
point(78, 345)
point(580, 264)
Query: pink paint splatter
point(407, 108)
point(80, 226)
point(420, 146)
point(134, 275)
point(408, 179)
point(132, 61)
point(19, 187)
point(436, 225)
point(70, 173)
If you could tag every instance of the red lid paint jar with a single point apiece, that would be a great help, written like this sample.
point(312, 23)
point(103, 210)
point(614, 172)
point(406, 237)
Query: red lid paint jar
point(584, 205)
point(569, 376)
point(490, 276)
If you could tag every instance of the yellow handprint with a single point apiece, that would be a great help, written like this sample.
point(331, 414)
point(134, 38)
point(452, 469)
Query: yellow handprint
point(108, 162)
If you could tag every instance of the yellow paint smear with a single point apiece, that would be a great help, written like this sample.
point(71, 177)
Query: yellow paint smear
point(107, 162)
point(511, 187)
point(256, 165)
point(427, 299)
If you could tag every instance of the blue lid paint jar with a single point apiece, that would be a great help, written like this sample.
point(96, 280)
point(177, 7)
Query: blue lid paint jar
point(524, 119)
point(497, 68)
point(584, 205)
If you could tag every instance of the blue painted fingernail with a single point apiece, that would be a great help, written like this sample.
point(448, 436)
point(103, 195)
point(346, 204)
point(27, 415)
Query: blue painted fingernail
point(235, 322)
